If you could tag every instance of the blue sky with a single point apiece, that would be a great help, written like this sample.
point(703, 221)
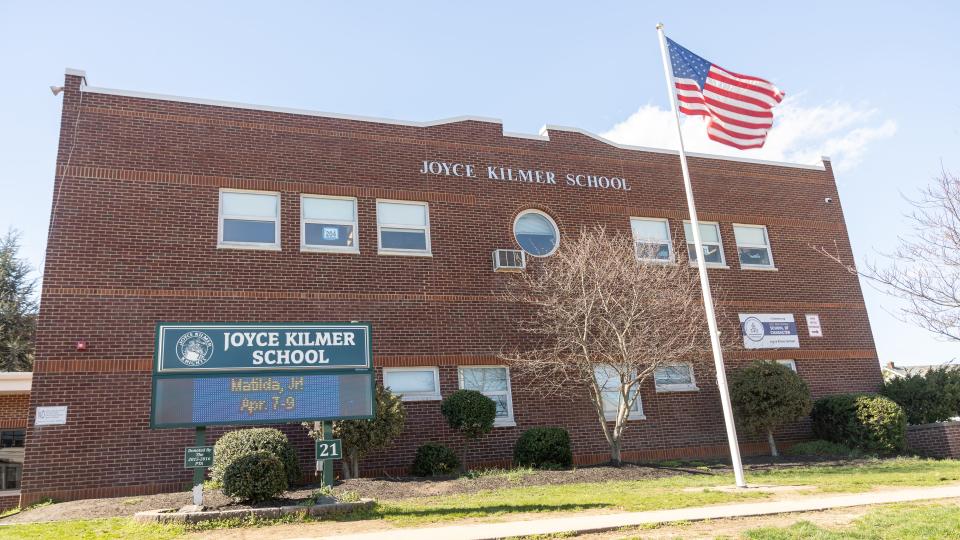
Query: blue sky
point(872, 84)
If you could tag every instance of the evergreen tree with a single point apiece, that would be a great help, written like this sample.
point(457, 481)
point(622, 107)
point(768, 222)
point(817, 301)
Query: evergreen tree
point(18, 307)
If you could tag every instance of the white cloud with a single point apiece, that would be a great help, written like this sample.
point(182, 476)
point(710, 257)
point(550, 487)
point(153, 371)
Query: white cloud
point(800, 134)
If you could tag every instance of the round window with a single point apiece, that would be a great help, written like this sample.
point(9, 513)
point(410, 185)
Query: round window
point(536, 233)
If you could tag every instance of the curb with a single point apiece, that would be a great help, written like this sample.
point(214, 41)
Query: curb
point(171, 515)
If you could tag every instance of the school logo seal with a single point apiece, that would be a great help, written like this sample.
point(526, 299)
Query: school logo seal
point(753, 329)
point(194, 348)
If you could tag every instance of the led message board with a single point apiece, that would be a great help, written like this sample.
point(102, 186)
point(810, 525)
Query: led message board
point(237, 374)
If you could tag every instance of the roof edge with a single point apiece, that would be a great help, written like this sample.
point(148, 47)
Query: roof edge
point(543, 135)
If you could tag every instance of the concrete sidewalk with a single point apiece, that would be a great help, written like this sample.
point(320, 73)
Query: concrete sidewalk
point(607, 522)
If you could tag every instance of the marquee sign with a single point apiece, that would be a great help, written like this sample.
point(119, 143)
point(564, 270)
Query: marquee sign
point(769, 331)
point(237, 374)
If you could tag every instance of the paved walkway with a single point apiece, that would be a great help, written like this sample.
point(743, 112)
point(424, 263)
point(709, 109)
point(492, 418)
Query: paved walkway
point(607, 522)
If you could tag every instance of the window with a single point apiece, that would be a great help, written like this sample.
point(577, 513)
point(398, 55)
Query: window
point(674, 378)
point(493, 382)
point(789, 363)
point(11, 473)
point(413, 384)
point(536, 233)
point(12, 438)
point(652, 239)
point(249, 219)
point(403, 227)
point(710, 237)
point(328, 223)
point(608, 379)
point(753, 246)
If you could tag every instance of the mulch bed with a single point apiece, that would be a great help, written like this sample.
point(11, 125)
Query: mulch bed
point(386, 489)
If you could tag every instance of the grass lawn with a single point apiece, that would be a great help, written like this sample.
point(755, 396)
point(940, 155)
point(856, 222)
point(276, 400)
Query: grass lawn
point(894, 522)
point(635, 495)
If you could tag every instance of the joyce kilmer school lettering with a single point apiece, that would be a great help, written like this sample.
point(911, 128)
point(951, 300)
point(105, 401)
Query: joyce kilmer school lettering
point(529, 176)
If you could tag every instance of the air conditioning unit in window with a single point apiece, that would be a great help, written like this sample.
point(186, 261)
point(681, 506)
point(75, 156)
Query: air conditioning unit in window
point(509, 260)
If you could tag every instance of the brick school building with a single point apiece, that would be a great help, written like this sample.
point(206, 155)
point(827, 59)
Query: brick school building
point(182, 209)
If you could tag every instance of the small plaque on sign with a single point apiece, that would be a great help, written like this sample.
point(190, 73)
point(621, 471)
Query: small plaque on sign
point(813, 325)
point(329, 449)
point(198, 457)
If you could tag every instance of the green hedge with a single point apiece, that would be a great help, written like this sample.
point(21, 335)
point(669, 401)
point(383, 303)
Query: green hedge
point(867, 422)
point(543, 448)
point(236, 444)
point(469, 412)
point(931, 397)
point(434, 460)
point(256, 476)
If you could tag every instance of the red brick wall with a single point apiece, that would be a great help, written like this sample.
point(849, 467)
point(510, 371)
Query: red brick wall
point(134, 234)
point(13, 410)
point(939, 440)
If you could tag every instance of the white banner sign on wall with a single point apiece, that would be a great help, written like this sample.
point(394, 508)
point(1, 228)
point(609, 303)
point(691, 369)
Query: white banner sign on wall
point(769, 331)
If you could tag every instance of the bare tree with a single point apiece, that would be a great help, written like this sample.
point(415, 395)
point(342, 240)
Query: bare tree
point(601, 320)
point(924, 270)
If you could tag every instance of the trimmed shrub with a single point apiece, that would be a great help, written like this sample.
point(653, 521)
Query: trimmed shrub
point(236, 444)
point(767, 395)
point(256, 476)
point(931, 397)
point(434, 459)
point(543, 448)
point(820, 448)
point(866, 422)
point(469, 412)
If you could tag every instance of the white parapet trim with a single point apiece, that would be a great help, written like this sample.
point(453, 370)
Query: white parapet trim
point(15, 382)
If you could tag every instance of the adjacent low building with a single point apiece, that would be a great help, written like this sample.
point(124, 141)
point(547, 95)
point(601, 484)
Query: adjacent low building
point(181, 209)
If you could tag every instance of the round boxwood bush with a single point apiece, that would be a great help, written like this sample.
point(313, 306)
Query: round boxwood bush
point(236, 444)
point(469, 412)
point(866, 422)
point(433, 460)
point(765, 396)
point(256, 476)
point(543, 448)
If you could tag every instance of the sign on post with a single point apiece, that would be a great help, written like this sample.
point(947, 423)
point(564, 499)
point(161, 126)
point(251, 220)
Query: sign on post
point(813, 325)
point(238, 374)
point(198, 457)
point(769, 331)
point(329, 449)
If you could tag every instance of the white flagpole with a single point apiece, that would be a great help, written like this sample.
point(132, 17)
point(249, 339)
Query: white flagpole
point(704, 279)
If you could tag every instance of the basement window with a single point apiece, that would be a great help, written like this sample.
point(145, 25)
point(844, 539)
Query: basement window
point(413, 383)
point(493, 382)
point(674, 378)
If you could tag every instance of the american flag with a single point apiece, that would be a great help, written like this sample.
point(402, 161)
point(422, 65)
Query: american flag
point(739, 106)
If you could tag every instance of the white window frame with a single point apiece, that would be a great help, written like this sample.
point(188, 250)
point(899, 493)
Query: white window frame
point(768, 247)
point(509, 420)
point(790, 363)
point(671, 258)
point(416, 396)
point(692, 387)
point(426, 228)
point(689, 242)
point(304, 246)
point(271, 246)
point(611, 416)
point(553, 223)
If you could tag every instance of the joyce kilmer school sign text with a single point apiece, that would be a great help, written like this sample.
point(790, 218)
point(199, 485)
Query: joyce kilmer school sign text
point(528, 176)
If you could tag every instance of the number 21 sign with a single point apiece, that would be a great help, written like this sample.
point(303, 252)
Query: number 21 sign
point(329, 449)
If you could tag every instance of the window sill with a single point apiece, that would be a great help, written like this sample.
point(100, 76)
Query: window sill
point(505, 423)
point(314, 249)
point(630, 419)
point(405, 253)
point(434, 397)
point(249, 247)
point(760, 268)
point(712, 266)
point(678, 388)
point(670, 262)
